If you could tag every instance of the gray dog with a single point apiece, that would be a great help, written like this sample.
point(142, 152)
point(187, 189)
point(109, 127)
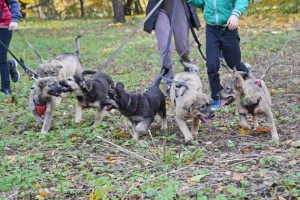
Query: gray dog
point(42, 101)
point(62, 66)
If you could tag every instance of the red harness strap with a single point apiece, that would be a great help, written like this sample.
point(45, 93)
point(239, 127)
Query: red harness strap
point(40, 109)
point(258, 83)
point(252, 108)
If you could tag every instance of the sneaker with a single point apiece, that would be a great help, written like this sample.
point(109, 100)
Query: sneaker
point(168, 92)
point(248, 66)
point(216, 104)
point(6, 91)
point(14, 74)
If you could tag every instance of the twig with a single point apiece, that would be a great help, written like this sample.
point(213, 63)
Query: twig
point(152, 139)
point(12, 195)
point(125, 150)
point(165, 150)
point(150, 149)
point(128, 192)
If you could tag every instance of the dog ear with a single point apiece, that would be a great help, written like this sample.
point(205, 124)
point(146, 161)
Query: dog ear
point(41, 83)
point(238, 81)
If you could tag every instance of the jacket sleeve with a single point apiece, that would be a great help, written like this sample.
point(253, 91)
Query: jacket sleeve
point(15, 9)
point(196, 3)
point(240, 7)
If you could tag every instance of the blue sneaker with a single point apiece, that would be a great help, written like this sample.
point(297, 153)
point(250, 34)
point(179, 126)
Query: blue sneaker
point(248, 67)
point(216, 104)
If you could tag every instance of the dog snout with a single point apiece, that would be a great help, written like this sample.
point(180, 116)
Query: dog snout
point(212, 114)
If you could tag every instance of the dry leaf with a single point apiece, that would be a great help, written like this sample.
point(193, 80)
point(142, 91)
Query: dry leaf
point(169, 102)
point(246, 150)
point(197, 178)
point(236, 176)
point(289, 142)
point(244, 131)
point(262, 130)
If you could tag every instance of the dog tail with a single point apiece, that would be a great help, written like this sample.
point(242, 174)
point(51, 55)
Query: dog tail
point(77, 47)
point(190, 67)
point(85, 72)
point(158, 79)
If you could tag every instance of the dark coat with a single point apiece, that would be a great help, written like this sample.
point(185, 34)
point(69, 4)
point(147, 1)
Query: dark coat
point(150, 23)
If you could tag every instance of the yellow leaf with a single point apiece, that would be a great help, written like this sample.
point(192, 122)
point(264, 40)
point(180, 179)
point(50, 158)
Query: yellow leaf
point(39, 197)
point(197, 178)
point(244, 131)
point(73, 139)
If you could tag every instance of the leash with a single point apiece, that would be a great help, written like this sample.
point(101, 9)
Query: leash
point(126, 41)
point(274, 61)
point(193, 32)
point(28, 71)
point(35, 51)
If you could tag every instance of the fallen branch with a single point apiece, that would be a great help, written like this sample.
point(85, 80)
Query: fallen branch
point(125, 150)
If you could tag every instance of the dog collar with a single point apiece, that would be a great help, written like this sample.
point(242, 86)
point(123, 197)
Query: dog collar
point(135, 106)
point(251, 108)
point(40, 108)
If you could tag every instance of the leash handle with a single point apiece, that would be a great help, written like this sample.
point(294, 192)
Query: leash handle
point(28, 71)
point(35, 51)
point(127, 40)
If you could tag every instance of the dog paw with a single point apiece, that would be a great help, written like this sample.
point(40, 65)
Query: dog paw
point(188, 138)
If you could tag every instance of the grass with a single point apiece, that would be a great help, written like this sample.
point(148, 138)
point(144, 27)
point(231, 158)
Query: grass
point(71, 162)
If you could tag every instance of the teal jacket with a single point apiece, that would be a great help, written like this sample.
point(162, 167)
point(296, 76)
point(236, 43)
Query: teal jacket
point(217, 12)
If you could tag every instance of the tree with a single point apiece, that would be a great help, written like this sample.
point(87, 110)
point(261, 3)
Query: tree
point(119, 11)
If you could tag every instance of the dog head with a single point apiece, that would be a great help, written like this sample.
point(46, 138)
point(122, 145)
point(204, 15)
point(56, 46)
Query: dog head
point(46, 87)
point(114, 97)
point(233, 88)
point(49, 69)
point(197, 105)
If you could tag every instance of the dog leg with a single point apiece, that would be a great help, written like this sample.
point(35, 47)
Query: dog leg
point(134, 129)
point(38, 118)
point(272, 124)
point(47, 119)
point(195, 126)
point(243, 122)
point(99, 115)
point(184, 129)
point(142, 127)
point(78, 113)
point(164, 123)
point(255, 121)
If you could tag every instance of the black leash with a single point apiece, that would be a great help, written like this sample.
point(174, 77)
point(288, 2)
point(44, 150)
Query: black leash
point(32, 74)
point(192, 30)
point(35, 51)
point(127, 40)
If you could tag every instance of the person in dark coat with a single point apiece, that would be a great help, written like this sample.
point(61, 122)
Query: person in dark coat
point(9, 18)
point(160, 21)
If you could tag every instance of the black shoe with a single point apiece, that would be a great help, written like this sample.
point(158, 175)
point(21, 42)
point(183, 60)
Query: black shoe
point(6, 91)
point(14, 74)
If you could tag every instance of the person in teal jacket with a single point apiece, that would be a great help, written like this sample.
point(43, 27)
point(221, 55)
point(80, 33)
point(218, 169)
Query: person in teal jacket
point(222, 20)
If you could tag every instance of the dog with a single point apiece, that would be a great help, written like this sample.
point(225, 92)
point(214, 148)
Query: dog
point(62, 66)
point(189, 101)
point(89, 92)
point(41, 101)
point(251, 96)
point(139, 109)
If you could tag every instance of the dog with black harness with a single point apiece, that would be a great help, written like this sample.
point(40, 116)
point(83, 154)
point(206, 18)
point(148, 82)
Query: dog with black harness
point(189, 101)
point(139, 109)
point(88, 91)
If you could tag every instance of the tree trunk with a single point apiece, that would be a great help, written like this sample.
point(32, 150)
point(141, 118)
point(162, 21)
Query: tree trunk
point(82, 8)
point(119, 12)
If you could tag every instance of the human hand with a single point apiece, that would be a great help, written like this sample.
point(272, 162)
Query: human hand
point(13, 26)
point(233, 22)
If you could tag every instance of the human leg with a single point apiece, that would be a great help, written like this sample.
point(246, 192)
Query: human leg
point(5, 38)
point(162, 29)
point(231, 50)
point(181, 33)
point(213, 46)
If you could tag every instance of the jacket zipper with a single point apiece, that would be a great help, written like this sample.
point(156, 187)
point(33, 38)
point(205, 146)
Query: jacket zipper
point(216, 12)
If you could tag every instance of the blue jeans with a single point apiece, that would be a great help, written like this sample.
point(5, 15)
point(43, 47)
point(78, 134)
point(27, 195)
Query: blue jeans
point(5, 38)
point(227, 41)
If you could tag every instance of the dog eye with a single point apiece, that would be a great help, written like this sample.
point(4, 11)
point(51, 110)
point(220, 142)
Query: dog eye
point(202, 107)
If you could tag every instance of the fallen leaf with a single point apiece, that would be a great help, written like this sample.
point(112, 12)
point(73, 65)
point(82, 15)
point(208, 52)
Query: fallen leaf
point(289, 142)
point(262, 130)
point(293, 162)
point(237, 176)
point(244, 131)
point(197, 178)
point(246, 150)
point(169, 102)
